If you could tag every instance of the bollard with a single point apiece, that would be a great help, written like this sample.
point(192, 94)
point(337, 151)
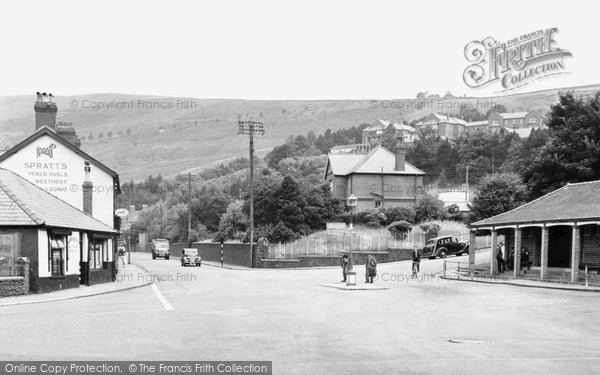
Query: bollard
point(444, 267)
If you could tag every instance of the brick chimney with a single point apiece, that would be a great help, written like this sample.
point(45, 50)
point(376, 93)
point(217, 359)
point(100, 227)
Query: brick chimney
point(400, 151)
point(45, 111)
point(87, 190)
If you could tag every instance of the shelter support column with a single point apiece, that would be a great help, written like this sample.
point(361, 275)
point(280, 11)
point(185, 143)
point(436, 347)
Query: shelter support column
point(517, 255)
point(472, 239)
point(493, 261)
point(544, 253)
point(575, 251)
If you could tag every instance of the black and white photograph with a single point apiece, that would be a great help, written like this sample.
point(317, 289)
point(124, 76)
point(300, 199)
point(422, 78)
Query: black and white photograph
point(299, 187)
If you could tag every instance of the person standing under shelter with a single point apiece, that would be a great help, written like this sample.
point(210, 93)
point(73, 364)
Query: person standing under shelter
point(500, 258)
point(371, 269)
point(344, 263)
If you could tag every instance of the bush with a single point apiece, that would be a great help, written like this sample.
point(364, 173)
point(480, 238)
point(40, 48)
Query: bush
point(282, 234)
point(371, 218)
point(398, 214)
point(401, 228)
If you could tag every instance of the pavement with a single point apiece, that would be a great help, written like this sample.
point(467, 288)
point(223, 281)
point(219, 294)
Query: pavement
point(129, 277)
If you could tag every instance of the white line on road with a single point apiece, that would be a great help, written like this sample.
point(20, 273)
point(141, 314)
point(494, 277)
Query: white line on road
point(125, 312)
point(161, 298)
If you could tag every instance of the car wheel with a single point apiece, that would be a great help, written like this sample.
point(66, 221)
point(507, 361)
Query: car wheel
point(431, 257)
point(443, 253)
point(166, 258)
point(459, 254)
point(153, 257)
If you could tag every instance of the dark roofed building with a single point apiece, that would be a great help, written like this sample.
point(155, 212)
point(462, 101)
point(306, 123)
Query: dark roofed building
point(53, 235)
point(560, 230)
point(377, 177)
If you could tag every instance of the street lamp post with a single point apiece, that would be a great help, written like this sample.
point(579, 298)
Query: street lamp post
point(351, 202)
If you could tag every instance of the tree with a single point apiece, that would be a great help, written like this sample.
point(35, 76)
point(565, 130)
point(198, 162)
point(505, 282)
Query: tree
point(571, 154)
point(290, 204)
point(234, 222)
point(397, 213)
point(497, 194)
point(282, 234)
point(429, 208)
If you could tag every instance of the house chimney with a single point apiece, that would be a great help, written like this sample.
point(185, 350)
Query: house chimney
point(400, 151)
point(87, 190)
point(45, 111)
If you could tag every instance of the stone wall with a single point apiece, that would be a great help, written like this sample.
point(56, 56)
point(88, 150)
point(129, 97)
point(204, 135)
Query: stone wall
point(12, 286)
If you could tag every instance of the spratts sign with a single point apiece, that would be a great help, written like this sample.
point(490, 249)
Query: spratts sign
point(48, 151)
point(515, 63)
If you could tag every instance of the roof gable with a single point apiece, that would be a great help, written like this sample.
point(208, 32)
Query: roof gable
point(46, 131)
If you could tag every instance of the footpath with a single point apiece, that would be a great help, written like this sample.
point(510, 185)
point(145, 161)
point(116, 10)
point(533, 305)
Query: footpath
point(129, 277)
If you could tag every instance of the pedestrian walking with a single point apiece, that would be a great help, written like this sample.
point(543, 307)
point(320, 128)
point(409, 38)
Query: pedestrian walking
point(416, 261)
point(371, 269)
point(345, 263)
point(500, 258)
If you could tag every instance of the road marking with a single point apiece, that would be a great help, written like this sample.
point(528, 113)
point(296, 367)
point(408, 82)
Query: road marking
point(161, 298)
point(125, 312)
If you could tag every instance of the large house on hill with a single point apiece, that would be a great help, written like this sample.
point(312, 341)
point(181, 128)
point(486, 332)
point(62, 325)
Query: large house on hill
point(443, 126)
point(373, 135)
point(376, 176)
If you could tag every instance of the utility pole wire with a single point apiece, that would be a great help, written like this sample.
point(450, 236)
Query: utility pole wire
point(250, 127)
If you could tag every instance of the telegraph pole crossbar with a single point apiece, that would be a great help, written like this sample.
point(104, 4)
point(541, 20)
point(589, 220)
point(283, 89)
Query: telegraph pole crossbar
point(250, 127)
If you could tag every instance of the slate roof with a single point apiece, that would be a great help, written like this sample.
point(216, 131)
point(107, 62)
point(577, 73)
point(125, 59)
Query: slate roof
point(24, 204)
point(572, 202)
point(383, 124)
point(435, 119)
point(371, 163)
point(513, 115)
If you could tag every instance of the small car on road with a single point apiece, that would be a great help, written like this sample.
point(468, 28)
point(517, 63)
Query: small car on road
point(190, 257)
point(444, 246)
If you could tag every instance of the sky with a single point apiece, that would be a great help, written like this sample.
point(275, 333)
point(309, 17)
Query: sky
point(305, 50)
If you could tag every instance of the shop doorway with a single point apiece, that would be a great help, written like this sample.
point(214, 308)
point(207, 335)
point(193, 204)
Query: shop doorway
point(559, 246)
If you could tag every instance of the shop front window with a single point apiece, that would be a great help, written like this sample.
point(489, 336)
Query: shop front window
point(96, 251)
point(57, 250)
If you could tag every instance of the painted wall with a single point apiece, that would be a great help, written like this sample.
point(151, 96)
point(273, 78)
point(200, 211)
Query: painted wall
point(60, 171)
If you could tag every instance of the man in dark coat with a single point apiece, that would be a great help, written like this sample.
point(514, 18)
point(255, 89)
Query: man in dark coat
point(344, 263)
point(500, 258)
point(371, 269)
point(416, 261)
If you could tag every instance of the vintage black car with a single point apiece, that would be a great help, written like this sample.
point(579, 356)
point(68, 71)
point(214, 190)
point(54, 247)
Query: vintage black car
point(444, 246)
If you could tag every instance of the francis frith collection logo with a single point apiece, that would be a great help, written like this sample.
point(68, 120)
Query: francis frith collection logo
point(47, 151)
point(515, 63)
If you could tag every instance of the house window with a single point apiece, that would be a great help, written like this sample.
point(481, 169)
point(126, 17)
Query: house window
point(57, 250)
point(377, 204)
point(97, 249)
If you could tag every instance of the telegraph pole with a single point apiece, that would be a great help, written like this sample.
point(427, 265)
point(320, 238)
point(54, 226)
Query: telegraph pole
point(189, 207)
point(467, 183)
point(250, 127)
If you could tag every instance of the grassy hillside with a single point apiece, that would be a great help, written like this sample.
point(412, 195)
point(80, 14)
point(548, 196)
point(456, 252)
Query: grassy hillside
point(179, 139)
